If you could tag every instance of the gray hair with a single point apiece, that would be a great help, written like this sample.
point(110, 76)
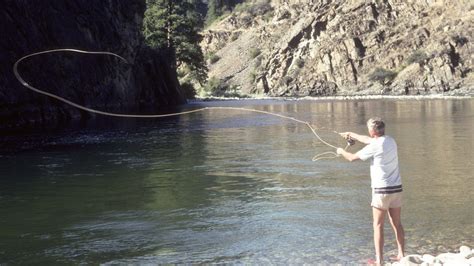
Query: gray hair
point(377, 125)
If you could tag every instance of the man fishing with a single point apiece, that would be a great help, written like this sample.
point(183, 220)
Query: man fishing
point(385, 182)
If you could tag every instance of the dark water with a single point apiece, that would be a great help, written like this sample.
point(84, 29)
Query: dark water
point(233, 187)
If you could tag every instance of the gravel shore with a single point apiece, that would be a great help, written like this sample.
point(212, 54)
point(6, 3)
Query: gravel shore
point(464, 257)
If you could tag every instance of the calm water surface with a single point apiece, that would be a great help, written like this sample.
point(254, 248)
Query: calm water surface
point(233, 187)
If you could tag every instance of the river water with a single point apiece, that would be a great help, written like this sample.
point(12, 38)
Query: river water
point(225, 186)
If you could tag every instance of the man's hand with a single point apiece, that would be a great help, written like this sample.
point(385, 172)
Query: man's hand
point(357, 137)
point(345, 135)
point(339, 151)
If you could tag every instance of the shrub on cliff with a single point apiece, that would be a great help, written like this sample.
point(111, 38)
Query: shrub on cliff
point(254, 52)
point(299, 63)
point(213, 86)
point(216, 87)
point(212, 57)
point(258, 7)
point(253, 75)
point(417, 57)
point(217, 9)
point(382, 75)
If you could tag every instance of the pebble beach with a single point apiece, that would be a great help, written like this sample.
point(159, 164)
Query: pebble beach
point(465, 256)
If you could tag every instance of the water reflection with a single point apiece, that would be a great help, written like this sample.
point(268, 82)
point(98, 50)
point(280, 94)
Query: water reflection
point(234, 187)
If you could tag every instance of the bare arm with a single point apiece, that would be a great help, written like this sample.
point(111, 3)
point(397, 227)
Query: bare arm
point(361, 138)
point(349, 156)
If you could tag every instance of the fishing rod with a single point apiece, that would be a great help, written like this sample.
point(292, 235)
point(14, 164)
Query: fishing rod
point(324, 155)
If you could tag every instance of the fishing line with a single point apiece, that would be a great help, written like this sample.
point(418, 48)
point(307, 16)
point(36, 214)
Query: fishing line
point(324, 155)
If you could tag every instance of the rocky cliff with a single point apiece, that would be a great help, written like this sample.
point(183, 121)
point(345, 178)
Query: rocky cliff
point(310, 47)
point(147, 82)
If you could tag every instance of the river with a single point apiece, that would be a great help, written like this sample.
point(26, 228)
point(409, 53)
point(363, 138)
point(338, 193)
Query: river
point(226, 186)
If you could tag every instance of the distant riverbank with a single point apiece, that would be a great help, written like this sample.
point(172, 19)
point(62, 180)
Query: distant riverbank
point(339, 97)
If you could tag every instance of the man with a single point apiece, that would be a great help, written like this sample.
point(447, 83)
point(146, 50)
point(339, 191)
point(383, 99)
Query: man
point(385, 182)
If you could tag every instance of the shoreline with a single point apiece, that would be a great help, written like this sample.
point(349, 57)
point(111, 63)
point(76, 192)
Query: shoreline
point(338, 98)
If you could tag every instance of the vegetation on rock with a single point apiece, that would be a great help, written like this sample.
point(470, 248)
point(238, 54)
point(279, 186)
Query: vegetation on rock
point(212, 57)
point(219, 8)
point(417, 57)
point(382, 75)
point(215, 87)
point(175, 25)
point(254, 8)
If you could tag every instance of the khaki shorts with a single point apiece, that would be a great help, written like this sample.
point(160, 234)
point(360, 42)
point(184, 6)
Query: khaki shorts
point(386, 201)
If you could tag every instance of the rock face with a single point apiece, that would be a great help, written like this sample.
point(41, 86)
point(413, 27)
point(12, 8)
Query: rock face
point(147, 82)
point(309, 47)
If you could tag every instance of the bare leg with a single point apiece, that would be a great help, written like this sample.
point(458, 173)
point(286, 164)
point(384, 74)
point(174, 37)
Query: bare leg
point(378, 221)
point(396, 222)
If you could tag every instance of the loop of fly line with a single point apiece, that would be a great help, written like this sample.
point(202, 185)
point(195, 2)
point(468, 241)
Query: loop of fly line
point(324, 155)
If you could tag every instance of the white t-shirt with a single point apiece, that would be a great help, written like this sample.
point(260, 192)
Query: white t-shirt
point(384, 171)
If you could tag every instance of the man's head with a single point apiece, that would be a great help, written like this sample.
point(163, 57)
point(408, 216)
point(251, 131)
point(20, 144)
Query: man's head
point(376, 127)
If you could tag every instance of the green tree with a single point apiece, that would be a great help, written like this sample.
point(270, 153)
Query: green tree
point(212, 11)
point(174, 24)
point(216, 8)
